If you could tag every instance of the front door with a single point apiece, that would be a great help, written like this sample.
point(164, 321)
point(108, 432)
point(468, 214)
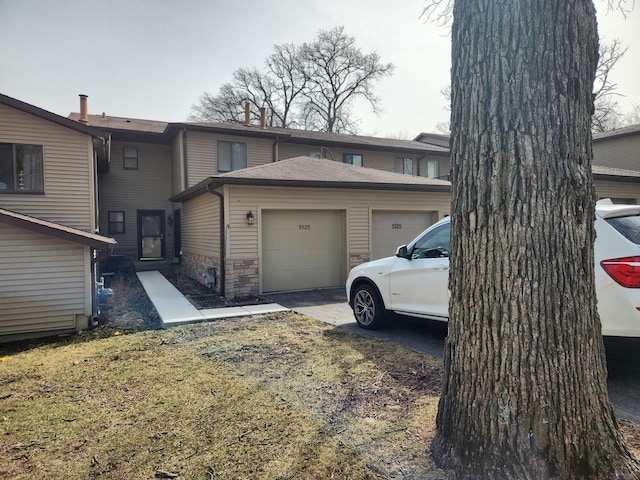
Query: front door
point(151, 234)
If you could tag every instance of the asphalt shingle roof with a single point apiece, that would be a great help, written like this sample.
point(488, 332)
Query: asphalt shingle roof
point(317, 173)
point(123, 123)
point(618, 132)
point(56, 230)
point(307, 169)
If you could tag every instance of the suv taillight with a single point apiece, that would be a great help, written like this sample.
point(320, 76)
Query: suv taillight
point(625, 271)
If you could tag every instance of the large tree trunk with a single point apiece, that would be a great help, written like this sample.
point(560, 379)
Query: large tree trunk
point(525, 392)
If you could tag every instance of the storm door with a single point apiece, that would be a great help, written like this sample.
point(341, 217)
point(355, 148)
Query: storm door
point(151, 234)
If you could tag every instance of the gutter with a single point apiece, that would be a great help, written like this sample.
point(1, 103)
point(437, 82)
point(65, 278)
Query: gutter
point(222, 240)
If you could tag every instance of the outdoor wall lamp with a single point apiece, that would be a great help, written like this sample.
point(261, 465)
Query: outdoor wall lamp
point(250, 218)
point(169, 220)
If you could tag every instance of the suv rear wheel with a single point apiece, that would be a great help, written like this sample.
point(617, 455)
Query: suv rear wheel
point(367, 307)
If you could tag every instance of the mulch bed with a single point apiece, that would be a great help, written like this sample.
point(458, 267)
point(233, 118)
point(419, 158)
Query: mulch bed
point(204, 297)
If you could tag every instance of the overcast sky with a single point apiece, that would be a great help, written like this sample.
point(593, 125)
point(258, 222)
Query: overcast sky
point(153, 59)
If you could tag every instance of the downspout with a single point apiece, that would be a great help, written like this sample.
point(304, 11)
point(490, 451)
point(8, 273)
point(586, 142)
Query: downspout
point(185, 182)
point(222, 239)
point(275, 149)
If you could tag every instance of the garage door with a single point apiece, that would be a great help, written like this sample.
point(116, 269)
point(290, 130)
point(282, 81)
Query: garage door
point(391, 229)
point(301, 249)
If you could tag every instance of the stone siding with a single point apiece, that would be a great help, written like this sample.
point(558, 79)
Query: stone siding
point(195, 265)
point(243, 277)
point(358, 258)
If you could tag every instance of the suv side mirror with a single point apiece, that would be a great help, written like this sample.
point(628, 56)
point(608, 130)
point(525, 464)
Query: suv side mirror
point(402, 252)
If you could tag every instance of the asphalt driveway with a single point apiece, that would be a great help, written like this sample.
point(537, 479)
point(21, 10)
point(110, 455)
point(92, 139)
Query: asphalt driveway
point(330, 306)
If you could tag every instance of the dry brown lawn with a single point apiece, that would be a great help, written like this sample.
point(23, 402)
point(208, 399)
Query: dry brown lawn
point(272, 397)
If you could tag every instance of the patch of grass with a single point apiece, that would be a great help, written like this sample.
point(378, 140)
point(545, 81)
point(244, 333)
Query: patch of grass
point(275, 397)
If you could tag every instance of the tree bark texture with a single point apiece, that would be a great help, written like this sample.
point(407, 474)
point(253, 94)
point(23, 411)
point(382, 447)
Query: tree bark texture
point(525, 393)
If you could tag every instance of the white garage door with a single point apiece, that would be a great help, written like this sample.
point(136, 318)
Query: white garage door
point(391, 229)
point(301, 249)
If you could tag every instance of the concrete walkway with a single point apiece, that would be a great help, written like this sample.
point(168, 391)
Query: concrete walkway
point(175, 309)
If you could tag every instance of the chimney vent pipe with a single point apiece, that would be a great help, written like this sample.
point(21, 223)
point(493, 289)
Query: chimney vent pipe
point(263, 117)
point(84, 116)
point(247, 114)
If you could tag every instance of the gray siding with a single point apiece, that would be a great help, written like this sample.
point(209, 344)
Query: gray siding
point(68, 170)
point(148, 188)
point(619, 152)
point(43, 282)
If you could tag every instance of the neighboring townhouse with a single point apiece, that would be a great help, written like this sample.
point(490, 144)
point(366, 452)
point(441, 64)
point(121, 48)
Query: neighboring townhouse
point(48, 221)
point(619, 151)
point(616, 162)
point(250, 209)
point(222, 238)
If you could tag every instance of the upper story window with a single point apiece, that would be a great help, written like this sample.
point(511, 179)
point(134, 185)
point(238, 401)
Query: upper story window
point(404, 165)
point(21, 168)
point(231, 156)
point(428, 168)
point(352, 158)
point(116, 222)
point(130, 158)
point(315, 154)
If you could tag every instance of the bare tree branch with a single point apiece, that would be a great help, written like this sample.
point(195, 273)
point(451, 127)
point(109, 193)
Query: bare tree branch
point(312, 85)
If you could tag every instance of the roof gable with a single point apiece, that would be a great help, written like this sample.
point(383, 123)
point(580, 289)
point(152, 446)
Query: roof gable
point(49, 116)
point(52, 229)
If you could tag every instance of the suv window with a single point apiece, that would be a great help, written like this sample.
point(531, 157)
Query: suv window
point(434, 244)
point(628, 226)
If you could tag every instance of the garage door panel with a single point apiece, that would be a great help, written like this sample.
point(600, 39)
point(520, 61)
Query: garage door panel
point(301, 249)
point(391, 229)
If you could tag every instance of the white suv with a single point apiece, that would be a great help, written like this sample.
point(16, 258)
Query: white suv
point(415, 281)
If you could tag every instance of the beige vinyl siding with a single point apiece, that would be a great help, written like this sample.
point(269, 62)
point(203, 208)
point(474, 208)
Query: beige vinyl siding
point(370, 158)
point(626, 190)
point(202, 153)
point(43, 284)
point(380, 160)
point(200, 226)
point(177, 182)
point(619, 152)
point(243, 240)
point(147, 188)
point(68, 170)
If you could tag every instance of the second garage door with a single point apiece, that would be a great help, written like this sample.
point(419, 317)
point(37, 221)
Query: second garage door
point(302, 249)
point(391, 229)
